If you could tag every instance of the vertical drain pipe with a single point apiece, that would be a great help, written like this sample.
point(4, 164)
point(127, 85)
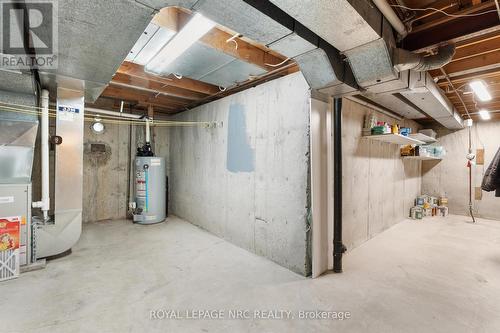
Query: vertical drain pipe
point(45, 155)
point(338, 246)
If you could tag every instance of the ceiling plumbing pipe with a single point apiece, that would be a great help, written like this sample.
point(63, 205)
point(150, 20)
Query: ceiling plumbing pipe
point(148, 131)
point(392, 17)
point(44, 203)
point(113, 113)
point(404, 60)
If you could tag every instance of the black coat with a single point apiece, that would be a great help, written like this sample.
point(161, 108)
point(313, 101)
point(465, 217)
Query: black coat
point(491, 179)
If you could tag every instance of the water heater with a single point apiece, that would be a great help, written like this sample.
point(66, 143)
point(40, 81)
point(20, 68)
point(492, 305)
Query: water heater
point(150, 190)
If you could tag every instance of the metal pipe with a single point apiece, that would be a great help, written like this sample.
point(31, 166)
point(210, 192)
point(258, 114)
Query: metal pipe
point(44, 204)
point(113, 113)
point(405, 59)
point(338, 246)
point(391, 16)
point(148, 133)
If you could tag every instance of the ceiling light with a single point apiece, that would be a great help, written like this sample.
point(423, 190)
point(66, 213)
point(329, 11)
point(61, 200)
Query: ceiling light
point(97, 126)
point(484, 114)
point(196, 28)
point(480, 90)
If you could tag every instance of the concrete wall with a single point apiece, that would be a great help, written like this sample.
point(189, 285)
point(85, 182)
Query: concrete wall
point(378, 186)
point(105, 174)
point(451, 177)
point(247, 181)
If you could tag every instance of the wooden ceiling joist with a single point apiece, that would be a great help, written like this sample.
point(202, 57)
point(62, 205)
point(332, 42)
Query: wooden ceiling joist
point(453, 29)
point(143, 98)
point(135, 70)
point(218, 39)
point(474, 63)
point(166, 89)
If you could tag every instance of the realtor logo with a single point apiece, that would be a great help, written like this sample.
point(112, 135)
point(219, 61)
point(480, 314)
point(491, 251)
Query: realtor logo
point(28, 34)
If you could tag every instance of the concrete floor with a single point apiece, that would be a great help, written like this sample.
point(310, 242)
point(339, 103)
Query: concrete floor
point(436, 275)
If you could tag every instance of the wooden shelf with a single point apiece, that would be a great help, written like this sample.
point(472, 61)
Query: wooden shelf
point(423, 137)
point(396, 139)
point(422, 158)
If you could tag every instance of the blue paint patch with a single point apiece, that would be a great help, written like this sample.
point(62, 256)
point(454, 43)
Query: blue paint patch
point(240, 155)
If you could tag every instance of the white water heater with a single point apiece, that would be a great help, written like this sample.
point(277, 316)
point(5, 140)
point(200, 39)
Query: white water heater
point(150, 190)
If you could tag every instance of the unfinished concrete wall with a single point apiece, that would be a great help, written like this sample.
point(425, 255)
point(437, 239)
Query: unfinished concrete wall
point(247, 181)
point(105, 173)
point(379, 187)
point(450, 176)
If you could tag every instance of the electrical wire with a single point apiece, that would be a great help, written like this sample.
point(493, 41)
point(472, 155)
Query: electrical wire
point(108, 119)
point(445, 13)
point(277, 65)
point(233, 39)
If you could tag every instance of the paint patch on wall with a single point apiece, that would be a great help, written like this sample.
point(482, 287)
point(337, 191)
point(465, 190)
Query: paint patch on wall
point(240, 155)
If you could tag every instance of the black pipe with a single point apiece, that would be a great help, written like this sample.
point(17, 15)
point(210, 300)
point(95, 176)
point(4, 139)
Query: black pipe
point(338, 246)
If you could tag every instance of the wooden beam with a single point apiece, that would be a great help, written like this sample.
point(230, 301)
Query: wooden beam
point(491, 74)
point(145, 83)
point(142, 98)
point(135, 70)
point(245, 51)
point(452, 29)
point(151, 111)
point(477, 47)
point(167, 17)
point(490, 60)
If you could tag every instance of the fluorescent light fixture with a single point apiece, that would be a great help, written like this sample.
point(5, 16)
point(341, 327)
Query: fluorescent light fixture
point(480, 90)
point(484, 114)
point(159, 39)
point(196, 28)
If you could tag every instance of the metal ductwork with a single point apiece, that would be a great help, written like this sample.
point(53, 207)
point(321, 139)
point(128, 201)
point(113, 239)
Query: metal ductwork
point(389, 77)
point(426, 95)
point(321, 64)
point(60, 234)
point(404, 60)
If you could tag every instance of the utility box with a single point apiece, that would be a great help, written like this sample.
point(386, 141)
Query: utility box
point(17, 143)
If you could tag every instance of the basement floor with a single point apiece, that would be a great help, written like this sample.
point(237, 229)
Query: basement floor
point(435, 275)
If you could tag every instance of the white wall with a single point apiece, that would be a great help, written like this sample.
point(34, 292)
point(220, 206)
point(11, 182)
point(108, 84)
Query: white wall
point(247, 182)
point(379, 188)
point(451, 177)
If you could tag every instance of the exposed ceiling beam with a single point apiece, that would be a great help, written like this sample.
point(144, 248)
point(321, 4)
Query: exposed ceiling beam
point(491, 74)
point(453, 29)
point(143, 98)
point(218, 39)
point(135, 70)
point(488, 61)
point(155, 86)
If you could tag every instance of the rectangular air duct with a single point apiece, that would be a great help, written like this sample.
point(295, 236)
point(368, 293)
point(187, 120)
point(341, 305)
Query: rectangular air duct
point(63, 232)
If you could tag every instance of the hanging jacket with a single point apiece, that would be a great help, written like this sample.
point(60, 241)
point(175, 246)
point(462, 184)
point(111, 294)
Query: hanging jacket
point(491, 179)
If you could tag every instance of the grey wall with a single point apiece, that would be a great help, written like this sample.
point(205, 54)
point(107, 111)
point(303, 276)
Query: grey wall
point(105, 174)
point(451, 177)
point(378, 186)
point(247, 181)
